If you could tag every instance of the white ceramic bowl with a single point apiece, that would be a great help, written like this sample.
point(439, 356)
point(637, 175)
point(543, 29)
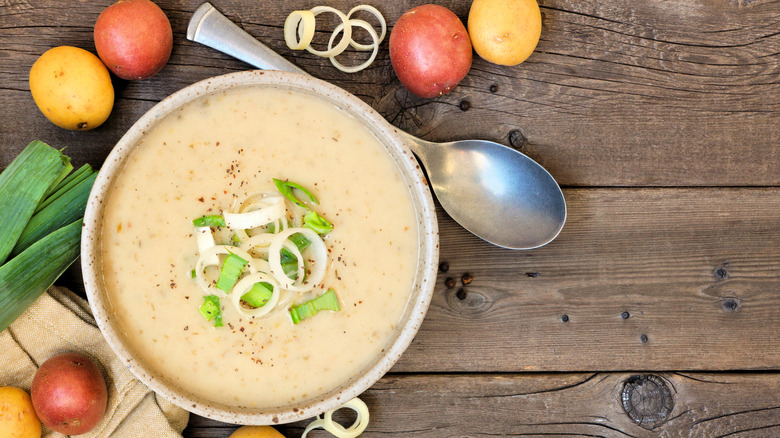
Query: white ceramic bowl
point(426, 264)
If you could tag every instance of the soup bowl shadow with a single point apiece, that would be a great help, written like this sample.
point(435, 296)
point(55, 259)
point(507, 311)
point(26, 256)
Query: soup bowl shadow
point(415, 310)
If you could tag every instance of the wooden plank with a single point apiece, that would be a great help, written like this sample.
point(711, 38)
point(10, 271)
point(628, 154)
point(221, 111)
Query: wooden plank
point(695, 271)
point(711, 405)
point(617, 94)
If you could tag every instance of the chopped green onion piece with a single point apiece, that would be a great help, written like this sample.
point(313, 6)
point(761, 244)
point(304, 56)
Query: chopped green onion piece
point(214, 220)
point(319, 224)
point(235, 240)
point(212, 310)
point(300, 241)
point(193, 274)
point(287, 257)
point(260, 293)
point(286, 189)
point(289, 261)
point(326, 301)
point(231, 270)
point(291, 270)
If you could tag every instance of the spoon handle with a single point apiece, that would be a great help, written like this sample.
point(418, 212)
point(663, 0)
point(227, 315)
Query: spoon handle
point(209, 27)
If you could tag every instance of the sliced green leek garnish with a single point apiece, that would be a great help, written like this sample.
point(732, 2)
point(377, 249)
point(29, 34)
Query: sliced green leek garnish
point(289, 262)
point(286, 189)
point(326, 301)
point(259, 294)
point(213, 220)
point(231, 270)
point(300, 241)
point(212, 310)
point(319, 224)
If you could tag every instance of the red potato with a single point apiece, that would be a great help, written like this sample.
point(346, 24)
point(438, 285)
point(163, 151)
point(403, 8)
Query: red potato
point(133, 38)
point(69, 394)
point(430, 50)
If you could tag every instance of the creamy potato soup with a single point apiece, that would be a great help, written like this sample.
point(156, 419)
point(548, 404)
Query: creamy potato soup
point(201, 160)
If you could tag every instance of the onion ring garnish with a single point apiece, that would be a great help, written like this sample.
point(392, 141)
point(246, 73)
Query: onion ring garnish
point(319, 255)
point(243, 287)
point(206, 257)
point(272, 210)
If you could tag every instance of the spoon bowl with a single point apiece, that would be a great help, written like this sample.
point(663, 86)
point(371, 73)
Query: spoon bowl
point(495, 192)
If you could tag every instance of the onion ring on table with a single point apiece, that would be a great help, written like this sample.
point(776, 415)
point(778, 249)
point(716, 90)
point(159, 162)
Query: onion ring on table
point(326, 421)
point(342, 45)
point(383, 25)
point(245, 284)
point(301, 23)
point(204, 260)
point(304, 23)
point(375, 46)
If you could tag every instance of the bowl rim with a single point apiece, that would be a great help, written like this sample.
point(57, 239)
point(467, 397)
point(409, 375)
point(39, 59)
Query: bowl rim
point(428, 252)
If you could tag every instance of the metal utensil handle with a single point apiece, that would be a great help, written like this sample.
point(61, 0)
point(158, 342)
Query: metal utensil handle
point(209, 27)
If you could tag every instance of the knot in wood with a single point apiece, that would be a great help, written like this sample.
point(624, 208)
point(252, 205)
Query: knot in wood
point(730, 304)
point(647, 400)
point(516, 139)
point(467, 301)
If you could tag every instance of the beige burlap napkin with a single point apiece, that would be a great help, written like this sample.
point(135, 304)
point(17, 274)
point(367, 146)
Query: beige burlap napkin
point(61, 321)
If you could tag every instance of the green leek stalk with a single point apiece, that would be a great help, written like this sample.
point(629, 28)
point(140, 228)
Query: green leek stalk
point(25, 277)
point(23, 185)
point(66, 208)
point(66, 184)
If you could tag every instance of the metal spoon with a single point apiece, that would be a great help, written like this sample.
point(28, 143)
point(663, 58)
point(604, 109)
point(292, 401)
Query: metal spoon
point(494, 191)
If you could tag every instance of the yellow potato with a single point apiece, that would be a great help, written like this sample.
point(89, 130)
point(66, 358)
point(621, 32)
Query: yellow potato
point(504, 31)
point(72, 88)
point(17, 416)
point(256, 432)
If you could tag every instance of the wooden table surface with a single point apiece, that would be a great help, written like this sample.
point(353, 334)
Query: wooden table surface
point(657, 309)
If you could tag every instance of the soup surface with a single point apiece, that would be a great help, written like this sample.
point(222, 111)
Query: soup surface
point(199, 160)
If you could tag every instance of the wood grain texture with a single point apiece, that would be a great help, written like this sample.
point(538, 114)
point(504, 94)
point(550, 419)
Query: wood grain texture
point(587, 405)
point(645, 278)
point(629, 94)
point(662, 121)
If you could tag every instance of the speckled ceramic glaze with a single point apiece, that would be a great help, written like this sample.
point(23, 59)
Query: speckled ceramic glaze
point(426, 264)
